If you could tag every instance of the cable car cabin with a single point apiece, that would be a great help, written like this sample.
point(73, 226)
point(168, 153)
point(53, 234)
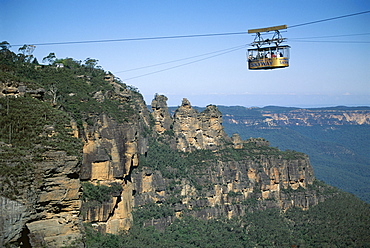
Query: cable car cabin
point(268, 57)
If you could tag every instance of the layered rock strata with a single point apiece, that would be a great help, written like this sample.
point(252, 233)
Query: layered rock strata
point(47, 214)
point(111, 151)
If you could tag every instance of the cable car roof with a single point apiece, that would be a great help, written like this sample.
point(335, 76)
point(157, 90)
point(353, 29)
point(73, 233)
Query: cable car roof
point(261, 30)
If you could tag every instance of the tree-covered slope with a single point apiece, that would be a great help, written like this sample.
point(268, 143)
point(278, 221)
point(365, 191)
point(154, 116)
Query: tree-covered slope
point(338, 222)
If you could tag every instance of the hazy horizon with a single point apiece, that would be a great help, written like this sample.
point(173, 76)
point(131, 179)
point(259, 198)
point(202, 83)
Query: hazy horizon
point(298, 101)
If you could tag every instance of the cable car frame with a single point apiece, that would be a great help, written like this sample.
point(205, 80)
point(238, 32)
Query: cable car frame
point(268, 53)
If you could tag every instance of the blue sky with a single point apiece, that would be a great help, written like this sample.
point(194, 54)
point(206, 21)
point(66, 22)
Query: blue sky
point(320, 73)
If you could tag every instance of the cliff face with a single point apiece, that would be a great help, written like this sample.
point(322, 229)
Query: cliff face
point(42, 204)
point(335, 138)
point(46, 211)
point(76, 145)
point(317, 117)
point(111, 151)
point(222, 188)
point(39, 183)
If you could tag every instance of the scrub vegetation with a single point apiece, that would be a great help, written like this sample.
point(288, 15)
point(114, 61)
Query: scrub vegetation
point(341, 221)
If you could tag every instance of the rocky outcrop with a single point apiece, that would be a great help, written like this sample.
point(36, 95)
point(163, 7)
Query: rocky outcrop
point(305, 117)
point(19, 89)
point(162, 118)
point(110, 150)
point(42, 208)
point(113, 215)
point(195, 130)
point(214, 186)
point(12, 219)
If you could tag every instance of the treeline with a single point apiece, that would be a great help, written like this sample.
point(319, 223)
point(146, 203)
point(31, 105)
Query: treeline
point(73, 86)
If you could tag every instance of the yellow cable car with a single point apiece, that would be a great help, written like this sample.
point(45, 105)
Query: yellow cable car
point(268, 54)
point(268, 57)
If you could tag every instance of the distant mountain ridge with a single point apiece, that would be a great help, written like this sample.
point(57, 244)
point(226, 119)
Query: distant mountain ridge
point(284, 116)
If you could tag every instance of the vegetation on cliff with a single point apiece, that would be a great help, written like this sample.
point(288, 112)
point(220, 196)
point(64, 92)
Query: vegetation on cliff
point(28, 128)
point(80, 89)
point(341, 221)
point(69, 90)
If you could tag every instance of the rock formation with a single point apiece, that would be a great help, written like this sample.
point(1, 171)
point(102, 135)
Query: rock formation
point(222, 186)
point(163, 120)
point(47, 208)
point(195, 130)
point(261, 177)
point(111, 151)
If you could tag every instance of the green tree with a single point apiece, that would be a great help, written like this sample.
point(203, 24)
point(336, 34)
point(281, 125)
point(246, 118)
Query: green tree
point(50, 58)
point(91, 63)
point(26, 52)
point(4, 45)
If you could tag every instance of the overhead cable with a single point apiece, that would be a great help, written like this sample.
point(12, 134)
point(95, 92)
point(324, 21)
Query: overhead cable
point(177, 60)
point(237, 47)
point(329, 19)
point(136, 39)
point(192, 62)
point(331, 41)
point(330, 36)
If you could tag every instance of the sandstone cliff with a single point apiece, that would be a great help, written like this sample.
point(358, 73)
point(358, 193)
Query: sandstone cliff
point(46, 209)
point(192, 130)
point(111, 151)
